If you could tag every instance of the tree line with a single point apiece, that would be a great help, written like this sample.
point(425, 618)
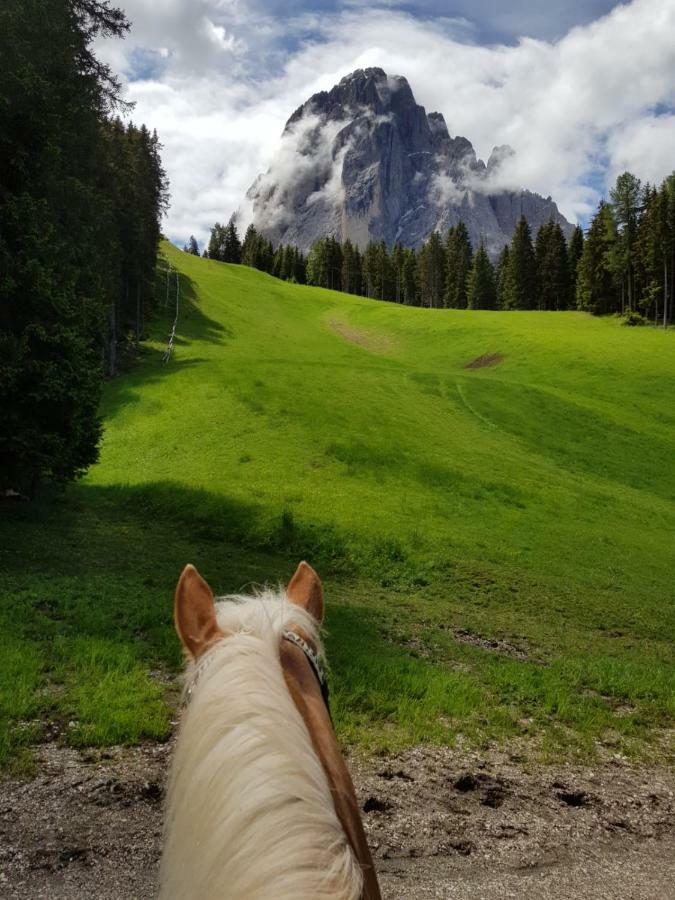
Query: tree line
point(81, 198)
point(624, 264)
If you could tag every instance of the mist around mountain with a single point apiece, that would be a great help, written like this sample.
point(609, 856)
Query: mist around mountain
point(365, 162)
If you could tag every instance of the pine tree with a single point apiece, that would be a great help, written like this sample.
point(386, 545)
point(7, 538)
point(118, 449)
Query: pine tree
point(574, 250)
point(521, 280)
point(431, 271)
point(230, 243)
point(409, 287)
point(482, 288)
point(625, 198)
point(597, 290)
point(216, 249)
point(81, 196)
point(502, 277)
point(552, 272)
point(459, 258)
point(250, 252)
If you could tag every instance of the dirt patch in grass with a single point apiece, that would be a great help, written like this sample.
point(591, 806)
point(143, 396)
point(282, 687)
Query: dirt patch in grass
point(482, 362)
point(498, 646)
point(369, 340)
point(441, 823)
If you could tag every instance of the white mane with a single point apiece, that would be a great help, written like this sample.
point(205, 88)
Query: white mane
point(249, 810)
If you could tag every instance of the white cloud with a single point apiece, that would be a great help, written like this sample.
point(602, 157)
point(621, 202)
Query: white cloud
point(576, 111)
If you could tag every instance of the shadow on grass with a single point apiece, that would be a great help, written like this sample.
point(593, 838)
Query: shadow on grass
point(150, 365)
point(86, 600)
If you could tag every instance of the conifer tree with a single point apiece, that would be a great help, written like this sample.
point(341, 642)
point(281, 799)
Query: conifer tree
point(81, 196)
point(597, 273)
point(230, 243)
point(482, 289)
point(459, 257)
point(431, 271)
point(250, 252)
point(521, 280)
point(502, 277)
point(552, 272)
point(625, 197)
point(409, 278)
point(574, 250)
point(216, 246)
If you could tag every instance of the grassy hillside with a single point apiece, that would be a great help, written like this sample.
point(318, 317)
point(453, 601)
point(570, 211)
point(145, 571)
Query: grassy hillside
point(496, 539)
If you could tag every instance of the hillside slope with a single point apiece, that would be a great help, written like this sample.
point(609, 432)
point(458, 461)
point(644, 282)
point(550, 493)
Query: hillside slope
point(487, 495)
point(381, 423)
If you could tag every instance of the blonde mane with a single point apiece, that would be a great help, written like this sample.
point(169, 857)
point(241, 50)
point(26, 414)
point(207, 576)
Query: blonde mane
point(249, 808)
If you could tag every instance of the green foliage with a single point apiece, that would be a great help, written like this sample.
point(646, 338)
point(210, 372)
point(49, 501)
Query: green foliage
point(458, 261)
point(431, 270)
point(597, 288)
point(553, 288)
point(482, 289)
point(80, 198)
point(519, 287)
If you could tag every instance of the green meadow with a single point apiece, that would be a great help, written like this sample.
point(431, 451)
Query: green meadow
point(496, 540)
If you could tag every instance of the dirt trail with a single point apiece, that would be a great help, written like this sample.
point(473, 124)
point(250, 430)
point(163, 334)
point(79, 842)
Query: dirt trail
point(442, 824)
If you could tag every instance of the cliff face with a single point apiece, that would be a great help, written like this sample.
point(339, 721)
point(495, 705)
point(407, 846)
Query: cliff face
point(364, 161)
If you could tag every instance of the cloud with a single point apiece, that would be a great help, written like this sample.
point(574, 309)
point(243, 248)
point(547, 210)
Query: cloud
point(218, 79)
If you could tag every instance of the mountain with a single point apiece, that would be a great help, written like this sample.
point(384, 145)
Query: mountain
point(364, 161)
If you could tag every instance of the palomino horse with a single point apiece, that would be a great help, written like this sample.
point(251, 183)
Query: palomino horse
point(260, 804)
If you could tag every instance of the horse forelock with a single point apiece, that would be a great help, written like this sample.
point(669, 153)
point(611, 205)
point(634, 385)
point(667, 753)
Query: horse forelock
point(249, 808)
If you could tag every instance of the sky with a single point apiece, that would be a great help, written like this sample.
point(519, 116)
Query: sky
point(581, 90)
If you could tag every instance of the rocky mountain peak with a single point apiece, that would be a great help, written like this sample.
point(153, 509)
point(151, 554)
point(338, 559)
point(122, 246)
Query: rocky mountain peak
point(365, 161)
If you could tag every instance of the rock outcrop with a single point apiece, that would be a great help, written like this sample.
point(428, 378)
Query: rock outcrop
point(364, 161)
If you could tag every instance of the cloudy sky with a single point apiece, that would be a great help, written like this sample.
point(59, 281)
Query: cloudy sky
point(581, 90)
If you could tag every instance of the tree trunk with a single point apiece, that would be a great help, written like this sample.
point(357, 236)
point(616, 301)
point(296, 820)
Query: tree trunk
point(112, 337)
point(665, 293)
point(138, 315)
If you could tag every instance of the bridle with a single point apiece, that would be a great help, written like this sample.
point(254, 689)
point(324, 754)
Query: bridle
point(313, 660)
point(294, 638)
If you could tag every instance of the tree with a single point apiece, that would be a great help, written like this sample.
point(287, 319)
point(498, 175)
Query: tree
point(216, 248)
point(409, 276)
point(251, 250)
point(502, 277)
point(482, 289)
point(574, 250)
point(431, 271)
point(192, 246)
point(552, 290)
point(231, 245)
point(596, 273)
point(80, 202)
point(458, 260)
point(625, 197)
point(520, 287)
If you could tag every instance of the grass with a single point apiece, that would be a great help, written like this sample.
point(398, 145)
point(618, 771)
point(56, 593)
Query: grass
point(497, 543)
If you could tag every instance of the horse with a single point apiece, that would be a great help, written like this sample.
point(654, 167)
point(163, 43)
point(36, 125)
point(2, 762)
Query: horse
point(260, 803)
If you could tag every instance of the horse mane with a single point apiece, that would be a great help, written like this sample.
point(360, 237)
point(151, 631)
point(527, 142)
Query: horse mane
point(249, 809)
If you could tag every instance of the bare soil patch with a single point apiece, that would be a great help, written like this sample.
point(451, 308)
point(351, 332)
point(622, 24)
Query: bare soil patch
point(488, 359)
point(495, 644)
point(374, 342)
point(442, 824)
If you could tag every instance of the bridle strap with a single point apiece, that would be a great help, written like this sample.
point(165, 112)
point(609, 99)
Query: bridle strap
point(294, 638)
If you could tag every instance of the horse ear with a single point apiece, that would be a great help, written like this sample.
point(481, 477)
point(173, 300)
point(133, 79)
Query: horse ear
point(194, 613)
point(305, 590)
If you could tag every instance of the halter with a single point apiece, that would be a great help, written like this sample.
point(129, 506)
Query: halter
point(291, 636)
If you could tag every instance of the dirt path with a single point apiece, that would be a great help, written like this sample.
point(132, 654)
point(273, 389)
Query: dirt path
point(442, 824)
